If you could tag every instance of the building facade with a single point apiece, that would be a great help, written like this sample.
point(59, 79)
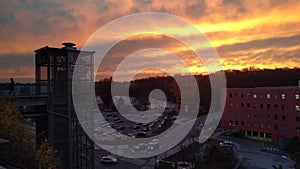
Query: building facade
point(267, 113)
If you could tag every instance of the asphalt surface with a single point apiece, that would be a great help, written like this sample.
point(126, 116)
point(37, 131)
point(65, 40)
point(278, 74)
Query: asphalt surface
point(121, 164)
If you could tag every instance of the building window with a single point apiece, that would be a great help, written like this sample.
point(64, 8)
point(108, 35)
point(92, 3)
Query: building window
point(275, 96)
point(283, 117)
point(254, 124)
point(261, 106)
point(254, 115)
point(268, 106)
point(242, 105)
point(297, 108)
point(242, 95)
point(236, 104)
point(236, 95)
point(242, 114)
point(297, 129)
point(269, 126)
point(231, 104)
point(249, 124)
point(283, 107)
point(283, 96)
point(275, 116)
point(297, 118)
point(269, 116)
point(275, 107)
point(230, 94)
point(283, 128)
point(230, 113)
point(236, 122)
point(276, 127)
point(236, 113)
point(230, 122)
point(261, 115)
point(243, 123)
point(297, 96)
point(254, 105)
point(248, 96)
point(248, 104)
point(254, 96)
point(268, 95)
point(262, 125)
point(261, 96)
point(248, 114)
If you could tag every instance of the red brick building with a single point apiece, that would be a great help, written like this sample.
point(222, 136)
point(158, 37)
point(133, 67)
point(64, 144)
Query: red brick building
point(268, 113)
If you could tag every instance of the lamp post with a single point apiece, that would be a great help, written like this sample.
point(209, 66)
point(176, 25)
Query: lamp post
point(155, 162)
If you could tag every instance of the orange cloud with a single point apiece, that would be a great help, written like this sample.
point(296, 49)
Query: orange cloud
point(27, 25)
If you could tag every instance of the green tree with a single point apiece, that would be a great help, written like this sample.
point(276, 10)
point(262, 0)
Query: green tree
point(21, 147)
point(46, 158)
point(293, 145)
point(296, 157)
point(216, 157)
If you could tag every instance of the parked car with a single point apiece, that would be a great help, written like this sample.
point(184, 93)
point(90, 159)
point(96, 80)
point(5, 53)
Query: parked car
point(141, 135)
point(226, 144)
point(136, 127)
point(121, 128)
point(109, 159)
point(159, 126)
point(119, 121)
point(131, 135)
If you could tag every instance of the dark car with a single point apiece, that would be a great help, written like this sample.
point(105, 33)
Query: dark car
point(121, 128)
point(141, 135)
point(117, 119)
point(136, 127)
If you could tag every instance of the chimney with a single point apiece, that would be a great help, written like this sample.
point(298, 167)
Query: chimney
point(69, 46)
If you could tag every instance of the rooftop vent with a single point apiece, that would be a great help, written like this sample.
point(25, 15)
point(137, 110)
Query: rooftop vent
point(69, 45)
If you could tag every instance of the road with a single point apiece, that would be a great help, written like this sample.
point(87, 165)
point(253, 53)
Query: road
point(121, 164)
point(250, 154)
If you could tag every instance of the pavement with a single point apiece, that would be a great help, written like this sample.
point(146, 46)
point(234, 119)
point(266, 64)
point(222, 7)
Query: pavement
point(251, 157)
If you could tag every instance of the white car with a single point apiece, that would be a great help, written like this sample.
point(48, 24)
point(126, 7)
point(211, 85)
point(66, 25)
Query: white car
point(154, 144)
point(109, 159)
point(226, 144)
point(141, 146)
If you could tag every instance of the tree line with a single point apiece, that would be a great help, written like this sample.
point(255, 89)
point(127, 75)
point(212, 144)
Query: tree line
point(246, 78)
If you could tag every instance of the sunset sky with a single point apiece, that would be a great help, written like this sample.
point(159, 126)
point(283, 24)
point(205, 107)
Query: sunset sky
point(261, 34)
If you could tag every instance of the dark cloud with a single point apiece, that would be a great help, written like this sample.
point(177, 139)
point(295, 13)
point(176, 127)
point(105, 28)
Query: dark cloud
point(16, 60)
point(261, 44)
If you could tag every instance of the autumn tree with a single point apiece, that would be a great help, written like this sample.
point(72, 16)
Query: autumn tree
point(46, 157)
point(21, 147)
